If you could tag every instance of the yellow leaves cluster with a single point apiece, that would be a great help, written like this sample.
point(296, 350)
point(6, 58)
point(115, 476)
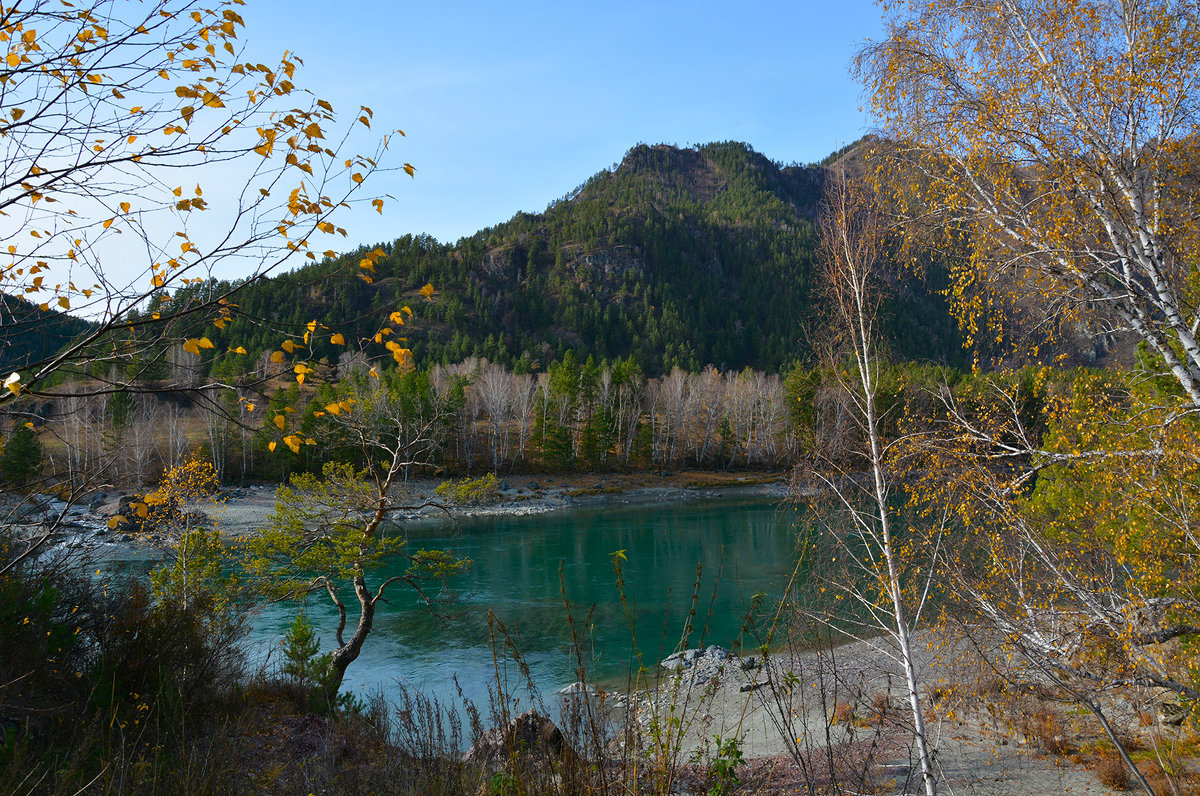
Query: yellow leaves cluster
point(338, 407)
point(402, 355)
point(1011, 150)
point(193, 479)
point(367, 263)
point(196, 345)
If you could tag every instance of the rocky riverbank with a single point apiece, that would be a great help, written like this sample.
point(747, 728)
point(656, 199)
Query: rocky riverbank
point(239, 511)
point(845, 710)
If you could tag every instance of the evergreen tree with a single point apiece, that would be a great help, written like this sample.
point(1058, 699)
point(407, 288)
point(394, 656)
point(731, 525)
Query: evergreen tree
point(21, 461)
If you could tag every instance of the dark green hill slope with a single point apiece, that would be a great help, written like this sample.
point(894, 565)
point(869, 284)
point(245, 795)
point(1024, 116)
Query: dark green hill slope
point(684, 257)
point(30, 334)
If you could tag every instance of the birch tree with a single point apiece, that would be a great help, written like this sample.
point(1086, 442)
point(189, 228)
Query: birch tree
point(122, 122)
point(1060, 138)
point(853, 240)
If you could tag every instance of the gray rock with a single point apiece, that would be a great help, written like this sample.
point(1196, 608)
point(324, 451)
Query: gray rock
point(578, 688)
point(701, 665)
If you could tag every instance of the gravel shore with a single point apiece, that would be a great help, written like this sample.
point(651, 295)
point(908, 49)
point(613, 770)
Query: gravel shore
point(852, 700)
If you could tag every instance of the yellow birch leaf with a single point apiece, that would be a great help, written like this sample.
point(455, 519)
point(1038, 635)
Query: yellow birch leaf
point(288, 345)
point(427, 291)
point(293, 442)
point(280, 422)
point(191, 346)
point(277, 356)
point(337, 339)
point(271, 446)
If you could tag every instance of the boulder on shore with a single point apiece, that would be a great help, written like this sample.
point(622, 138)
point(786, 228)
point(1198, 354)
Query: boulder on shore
point(702, 665)
point(530, 737)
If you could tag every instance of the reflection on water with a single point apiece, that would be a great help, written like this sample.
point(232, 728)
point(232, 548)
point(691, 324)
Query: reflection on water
point(741, 546)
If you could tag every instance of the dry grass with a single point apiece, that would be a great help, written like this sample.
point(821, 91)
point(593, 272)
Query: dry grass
point(1044, 728)
point(1111, 771)
point(881, 708)
point(844, 713)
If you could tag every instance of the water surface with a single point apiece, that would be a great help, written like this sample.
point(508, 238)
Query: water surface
point(742, 546)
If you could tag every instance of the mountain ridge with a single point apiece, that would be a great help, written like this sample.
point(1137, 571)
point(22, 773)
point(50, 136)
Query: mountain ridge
point(677, 257)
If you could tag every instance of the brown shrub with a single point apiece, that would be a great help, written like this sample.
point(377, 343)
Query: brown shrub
point(1045, 728)
point(881, 706)
point(843, 713)
point(1111, 771)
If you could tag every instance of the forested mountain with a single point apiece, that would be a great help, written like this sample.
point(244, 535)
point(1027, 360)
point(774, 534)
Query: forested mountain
point(675, 257)
point(29, 333)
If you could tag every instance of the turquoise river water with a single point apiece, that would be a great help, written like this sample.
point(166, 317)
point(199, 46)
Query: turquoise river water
point(742, 546)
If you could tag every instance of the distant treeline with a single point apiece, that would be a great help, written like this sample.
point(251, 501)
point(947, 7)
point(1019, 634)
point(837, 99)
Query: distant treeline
point(477, 416)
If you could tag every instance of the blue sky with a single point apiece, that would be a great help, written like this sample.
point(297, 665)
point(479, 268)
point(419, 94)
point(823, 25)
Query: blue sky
point(507, 106)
